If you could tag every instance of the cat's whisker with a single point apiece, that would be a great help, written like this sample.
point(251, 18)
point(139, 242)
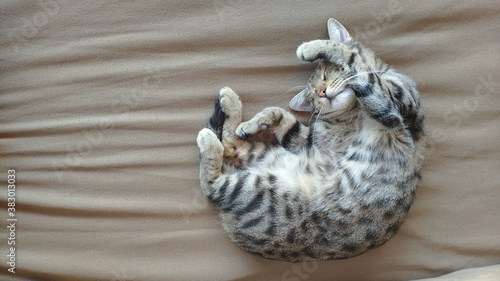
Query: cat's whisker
point(319, 114)
point(358, 74)
point(339, 84)
point(310, 118)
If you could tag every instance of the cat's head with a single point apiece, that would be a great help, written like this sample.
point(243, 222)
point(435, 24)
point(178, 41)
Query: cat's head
point(328, 92)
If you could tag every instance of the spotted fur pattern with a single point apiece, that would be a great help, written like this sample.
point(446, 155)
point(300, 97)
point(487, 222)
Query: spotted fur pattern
point(332, 190)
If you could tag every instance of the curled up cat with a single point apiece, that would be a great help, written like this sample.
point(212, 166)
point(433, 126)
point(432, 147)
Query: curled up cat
point(335, 189)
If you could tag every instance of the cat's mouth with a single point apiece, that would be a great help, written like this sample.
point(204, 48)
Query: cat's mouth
point(331, 94)
point(337, 99)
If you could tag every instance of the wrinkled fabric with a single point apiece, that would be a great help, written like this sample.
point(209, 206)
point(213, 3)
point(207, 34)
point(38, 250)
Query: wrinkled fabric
point(101, 102)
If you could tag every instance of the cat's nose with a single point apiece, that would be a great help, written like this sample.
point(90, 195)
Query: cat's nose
point(322, 93)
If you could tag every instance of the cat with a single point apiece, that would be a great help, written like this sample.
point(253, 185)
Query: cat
point(335, 189)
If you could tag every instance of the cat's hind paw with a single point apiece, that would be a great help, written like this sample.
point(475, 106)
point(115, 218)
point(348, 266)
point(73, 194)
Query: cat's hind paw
point(230, 103)
point(209, 144)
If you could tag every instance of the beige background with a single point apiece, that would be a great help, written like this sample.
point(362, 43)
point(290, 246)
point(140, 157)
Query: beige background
point(100, 104)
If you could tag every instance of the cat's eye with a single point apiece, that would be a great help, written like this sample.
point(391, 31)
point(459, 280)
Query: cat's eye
point(323, 72)
point(323, 76)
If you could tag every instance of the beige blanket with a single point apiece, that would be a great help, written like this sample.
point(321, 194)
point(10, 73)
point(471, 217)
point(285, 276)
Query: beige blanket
point(101, 102)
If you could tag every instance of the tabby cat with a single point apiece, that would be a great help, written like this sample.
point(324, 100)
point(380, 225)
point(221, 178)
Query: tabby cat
point(332, 190)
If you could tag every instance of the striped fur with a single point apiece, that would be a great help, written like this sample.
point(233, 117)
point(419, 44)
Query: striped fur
point(332, 190)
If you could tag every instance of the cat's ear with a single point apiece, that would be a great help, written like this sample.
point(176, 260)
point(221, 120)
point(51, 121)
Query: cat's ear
point(337, 31)
point(300, 103)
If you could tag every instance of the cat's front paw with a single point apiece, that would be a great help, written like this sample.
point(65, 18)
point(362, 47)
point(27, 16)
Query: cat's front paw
point(246, 130)
point(254, 126)
point(312, 50)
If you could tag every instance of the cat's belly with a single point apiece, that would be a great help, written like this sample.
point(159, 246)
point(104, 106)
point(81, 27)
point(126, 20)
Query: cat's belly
point(307, 171)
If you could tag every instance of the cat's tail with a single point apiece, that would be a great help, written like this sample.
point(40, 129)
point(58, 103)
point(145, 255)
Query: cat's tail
point(216, 121)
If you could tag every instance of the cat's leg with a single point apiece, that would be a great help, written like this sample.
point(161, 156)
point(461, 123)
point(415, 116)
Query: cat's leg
point(224, 120)
point(331, 51)
point(211, 154)
point(290, 133)
point(377, 102)
point(230, 104)
point(218, 141)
